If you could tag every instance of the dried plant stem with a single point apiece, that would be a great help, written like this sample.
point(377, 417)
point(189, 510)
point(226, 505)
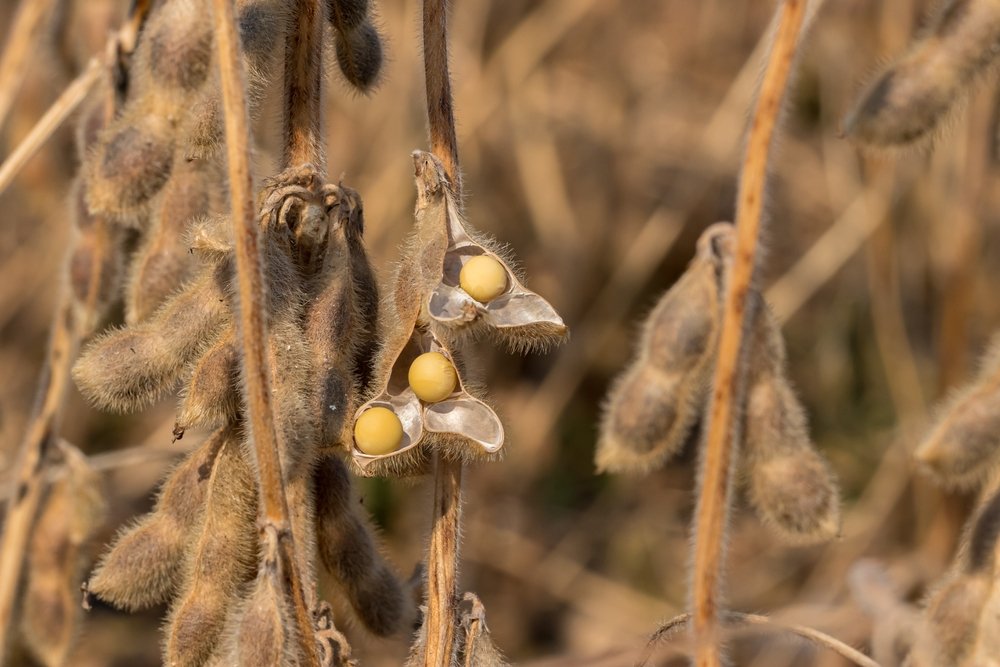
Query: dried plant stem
point(253, 325)
point(21, 37)
point(303, 76)
point(41, 437)
point(443, 551)
point(60, 110)
point(757, 620)
point(713, 502)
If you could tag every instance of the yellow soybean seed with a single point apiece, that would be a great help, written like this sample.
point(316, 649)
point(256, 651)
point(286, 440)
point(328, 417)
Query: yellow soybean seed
point(484, 278)
point(432, 377)
point(378, 431)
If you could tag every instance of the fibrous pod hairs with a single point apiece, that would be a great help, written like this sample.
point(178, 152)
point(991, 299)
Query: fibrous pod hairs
point(219, 563)
point(963, 447)
point(144, 565)
point(74, 509)
point(130, 368)
point(653, 405)
point(789, 483)
point(349, 552)
point(909, 99)
point(163, 261)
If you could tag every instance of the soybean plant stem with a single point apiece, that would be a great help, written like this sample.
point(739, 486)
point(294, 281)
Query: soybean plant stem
point(443, 550)
point(252, 321)
point(713, 502)
point(303, 77)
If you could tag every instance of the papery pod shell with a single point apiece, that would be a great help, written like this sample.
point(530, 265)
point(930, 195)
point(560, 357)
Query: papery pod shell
point(963, 447)
point(444, 242)
point(74, 508)
point(654, 404)
point(219, 562)
point(144, 565)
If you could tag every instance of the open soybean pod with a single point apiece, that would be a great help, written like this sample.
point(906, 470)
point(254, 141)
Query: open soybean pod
point(395, 430)
point(144, 565)
point(789, 484)
point(908, 100)
point(963, 447)
point(73, 509)
point(654, 404)
point(469, 287)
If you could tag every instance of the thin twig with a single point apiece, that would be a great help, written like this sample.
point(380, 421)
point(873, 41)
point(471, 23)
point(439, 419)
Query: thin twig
point(757, 620)
point(303, 76)
point(60, 110)
point(21, 38)
point(42, 434)
point(445, 540)
point(713, 500)
point(252, 321)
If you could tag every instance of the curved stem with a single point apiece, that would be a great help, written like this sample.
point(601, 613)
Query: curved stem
point(713, 502)
point(252, 319)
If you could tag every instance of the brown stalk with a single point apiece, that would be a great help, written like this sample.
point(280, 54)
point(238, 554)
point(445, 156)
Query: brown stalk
point(303, 143)
point(253, 325)
point(443, 550)
point(41, 437)
point(713, 502)
point(24, 29)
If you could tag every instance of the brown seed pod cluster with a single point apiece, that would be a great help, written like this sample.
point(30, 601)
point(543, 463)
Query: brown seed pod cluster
point(357, 42)
point(73, 509)
point(963, 448)
point(909, 99)
point(653, 406)
point(421, 400)
point(198, 549)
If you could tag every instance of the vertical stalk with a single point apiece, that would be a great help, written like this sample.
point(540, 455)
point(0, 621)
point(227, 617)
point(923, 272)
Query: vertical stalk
point(713, 502)
point(443, 550)
point(303, 53)
point(252, 322)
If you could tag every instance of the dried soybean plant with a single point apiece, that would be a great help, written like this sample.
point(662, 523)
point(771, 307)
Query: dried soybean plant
point(711, 351)
point(267, 322)
point(958, 623)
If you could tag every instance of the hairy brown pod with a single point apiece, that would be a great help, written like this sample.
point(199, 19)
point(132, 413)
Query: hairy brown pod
point(96, 264)
point(220, 561)
point(129, 368)
point(211, 395)
point(73, 509)
point(963, 447)
point(909, 99)
point(654, 404)
point(348, 549)
point(789, 483)
point(143, 566)
point(359, 55)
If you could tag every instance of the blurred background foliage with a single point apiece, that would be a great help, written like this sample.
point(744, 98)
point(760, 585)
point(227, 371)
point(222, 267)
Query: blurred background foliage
point(598, 139)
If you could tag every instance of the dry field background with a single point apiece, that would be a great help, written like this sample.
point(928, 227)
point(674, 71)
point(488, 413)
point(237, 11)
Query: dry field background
point(599, 138)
